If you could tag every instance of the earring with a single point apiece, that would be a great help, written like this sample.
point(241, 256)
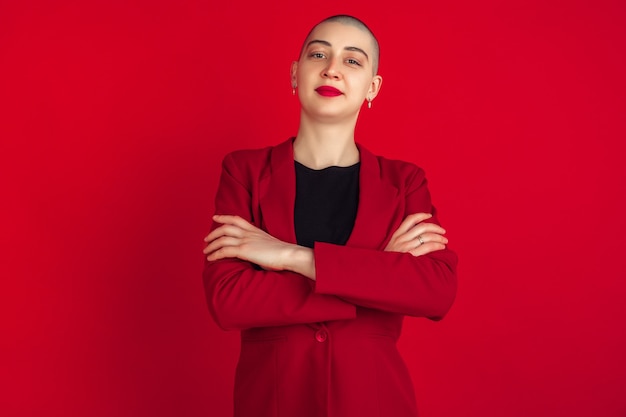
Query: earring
point(293, 89)
point(369, 103)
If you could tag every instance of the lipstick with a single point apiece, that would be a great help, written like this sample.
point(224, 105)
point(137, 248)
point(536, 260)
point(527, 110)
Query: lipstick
point(328, 91)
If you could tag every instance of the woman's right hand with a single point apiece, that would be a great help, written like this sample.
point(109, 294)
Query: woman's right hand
point(238, 238)
point(417, 237)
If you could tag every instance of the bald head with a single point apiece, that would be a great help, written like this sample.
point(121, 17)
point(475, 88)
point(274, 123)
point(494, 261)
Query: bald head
point(350, 21)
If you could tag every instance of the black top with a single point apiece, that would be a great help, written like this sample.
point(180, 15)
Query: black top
point(326, 204)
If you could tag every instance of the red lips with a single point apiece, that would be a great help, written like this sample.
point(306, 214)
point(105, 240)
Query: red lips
point(328, 91)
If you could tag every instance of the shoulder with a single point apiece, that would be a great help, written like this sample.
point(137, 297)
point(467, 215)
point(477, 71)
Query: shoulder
point(399, 167)
point(248, 156)
point(254, 161)
point(400, 173)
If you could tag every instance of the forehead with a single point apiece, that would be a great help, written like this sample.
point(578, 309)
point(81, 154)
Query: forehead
point(342, 35)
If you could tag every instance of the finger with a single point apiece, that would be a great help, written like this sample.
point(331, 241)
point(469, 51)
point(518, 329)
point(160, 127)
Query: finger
point(428, 237)
point(431, 237)
point(423, 229)
point(410, 221)
point(219, 243)
point(225, 252)
point(217, 232)
point(427, 248)
point(234, 220)
point(225, 230)
point(407, 246)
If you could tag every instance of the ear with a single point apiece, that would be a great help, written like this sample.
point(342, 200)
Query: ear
point(377, 82)
point(294, 71)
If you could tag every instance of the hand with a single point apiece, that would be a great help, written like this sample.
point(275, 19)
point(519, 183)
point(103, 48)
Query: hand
point(237, 238)
point(417, 237)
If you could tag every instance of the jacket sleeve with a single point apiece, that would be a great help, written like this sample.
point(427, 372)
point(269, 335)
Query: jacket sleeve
point(422, 286)
point(240, 295)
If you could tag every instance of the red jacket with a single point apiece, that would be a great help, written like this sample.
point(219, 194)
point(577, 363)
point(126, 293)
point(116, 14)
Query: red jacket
point(326, 348)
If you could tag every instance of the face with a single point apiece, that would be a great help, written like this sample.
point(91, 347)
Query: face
point(334, 75)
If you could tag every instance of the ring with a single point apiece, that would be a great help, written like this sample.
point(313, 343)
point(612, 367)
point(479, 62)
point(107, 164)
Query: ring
point(420, 239)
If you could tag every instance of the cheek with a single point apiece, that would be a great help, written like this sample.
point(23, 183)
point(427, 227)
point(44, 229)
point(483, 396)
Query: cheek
point(361, 85)
point(307, 77)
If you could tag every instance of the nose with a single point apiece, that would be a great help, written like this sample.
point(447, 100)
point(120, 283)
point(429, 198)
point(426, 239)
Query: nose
point(332, 70)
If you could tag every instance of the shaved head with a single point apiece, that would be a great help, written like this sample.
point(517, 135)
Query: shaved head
point(350, 21)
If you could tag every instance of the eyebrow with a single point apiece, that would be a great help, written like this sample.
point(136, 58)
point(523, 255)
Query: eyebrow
point(347, 48)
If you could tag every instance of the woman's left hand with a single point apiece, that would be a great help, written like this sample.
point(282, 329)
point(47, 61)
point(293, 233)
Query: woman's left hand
point(237, 238)
point(417, 237)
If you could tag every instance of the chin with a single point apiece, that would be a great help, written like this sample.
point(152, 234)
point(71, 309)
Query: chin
point(330, 111)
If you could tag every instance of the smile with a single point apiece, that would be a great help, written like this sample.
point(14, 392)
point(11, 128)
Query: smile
point(328, 91)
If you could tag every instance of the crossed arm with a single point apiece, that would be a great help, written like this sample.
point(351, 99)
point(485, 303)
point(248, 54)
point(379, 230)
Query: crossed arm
point(253, 279)
point(237, 238)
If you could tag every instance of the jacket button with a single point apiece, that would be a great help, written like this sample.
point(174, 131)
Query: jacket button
point(321, 335)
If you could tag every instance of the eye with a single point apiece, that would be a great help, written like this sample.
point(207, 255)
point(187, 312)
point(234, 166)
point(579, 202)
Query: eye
point(317, 55)
point(353, 61)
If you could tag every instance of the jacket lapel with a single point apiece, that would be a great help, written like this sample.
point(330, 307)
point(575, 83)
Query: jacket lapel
point(277, 193)
point(379, 209)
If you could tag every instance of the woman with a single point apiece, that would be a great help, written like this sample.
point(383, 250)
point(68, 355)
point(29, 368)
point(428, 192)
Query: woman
point(320, 248)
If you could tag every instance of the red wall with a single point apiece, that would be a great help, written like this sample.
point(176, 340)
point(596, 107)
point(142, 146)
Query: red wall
point(115, 119)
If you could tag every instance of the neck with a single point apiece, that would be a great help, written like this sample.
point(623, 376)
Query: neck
point(320, 145)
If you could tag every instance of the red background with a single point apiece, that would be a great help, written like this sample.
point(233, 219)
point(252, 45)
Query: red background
point(116, 116)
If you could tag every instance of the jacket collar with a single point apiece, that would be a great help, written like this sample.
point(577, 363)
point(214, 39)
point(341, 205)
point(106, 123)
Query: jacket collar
point(378, 199)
